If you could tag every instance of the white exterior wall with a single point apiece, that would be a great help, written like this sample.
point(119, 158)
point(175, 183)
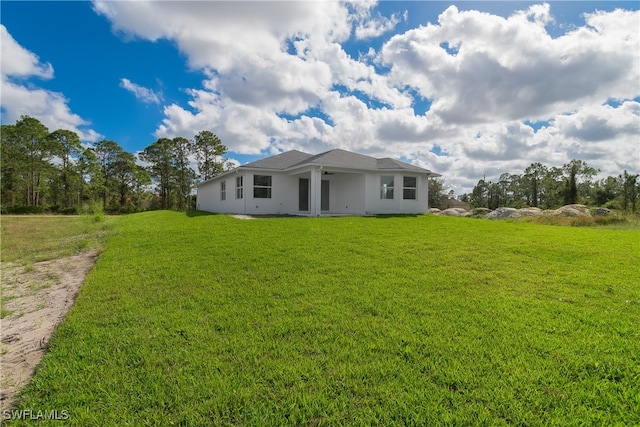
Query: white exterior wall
point(397, 205)
point(284, 195)
point(209, 198)
point(349, 194)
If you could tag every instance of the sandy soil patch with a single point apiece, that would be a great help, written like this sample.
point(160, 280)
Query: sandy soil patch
point(36, 298)
point(243, 216)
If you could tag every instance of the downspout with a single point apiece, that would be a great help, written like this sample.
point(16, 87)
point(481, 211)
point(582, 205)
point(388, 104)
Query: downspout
point(244, 193)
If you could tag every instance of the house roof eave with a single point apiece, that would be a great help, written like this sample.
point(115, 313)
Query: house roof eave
point(305, 161)
point(355, 169)
point(225, 173)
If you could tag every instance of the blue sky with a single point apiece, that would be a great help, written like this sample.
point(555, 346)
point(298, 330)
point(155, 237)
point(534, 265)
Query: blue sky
point(466, 89)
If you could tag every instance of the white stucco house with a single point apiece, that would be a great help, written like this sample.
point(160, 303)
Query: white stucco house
point(336, 182)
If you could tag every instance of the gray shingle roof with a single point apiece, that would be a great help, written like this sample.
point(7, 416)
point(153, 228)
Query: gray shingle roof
point(341, 158)
point(334, 158)
point(281, 161)
point(388, 163)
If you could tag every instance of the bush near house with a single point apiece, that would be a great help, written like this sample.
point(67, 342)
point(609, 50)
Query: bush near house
point(396, 320)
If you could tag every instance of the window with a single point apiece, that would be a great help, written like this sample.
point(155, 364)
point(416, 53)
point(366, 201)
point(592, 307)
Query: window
point(386, 187)
point(239, 187)
point(409, 184)
point(223, 190)
point(261, 186)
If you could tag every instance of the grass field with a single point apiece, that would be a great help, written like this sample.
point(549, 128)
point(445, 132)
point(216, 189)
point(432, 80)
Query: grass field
point(211, 320)
point(28, 238)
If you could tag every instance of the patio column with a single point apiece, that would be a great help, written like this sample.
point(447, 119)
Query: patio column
point(314, 191)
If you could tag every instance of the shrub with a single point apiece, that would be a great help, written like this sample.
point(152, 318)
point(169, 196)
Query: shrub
point(93, 210)
point(22, 210)
point(612, 218)
point(69, 211)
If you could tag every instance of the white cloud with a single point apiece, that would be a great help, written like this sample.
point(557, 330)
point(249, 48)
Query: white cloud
point(19, 62)
point(141, 93)
point(222, 34)
point(50, 108)
point(268, 61)
point(375, 27)
point(24, 98)
point(489, 150)
point(478, 67)
point(280, 78)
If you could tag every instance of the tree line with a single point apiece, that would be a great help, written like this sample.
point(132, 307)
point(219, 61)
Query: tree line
point(551, 187)
point(54, 171)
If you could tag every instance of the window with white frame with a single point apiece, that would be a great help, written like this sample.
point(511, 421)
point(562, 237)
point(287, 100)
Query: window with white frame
point(386, 187)
point(409, 187)
point(239, 187)
point(223, 190)
point(262, 186)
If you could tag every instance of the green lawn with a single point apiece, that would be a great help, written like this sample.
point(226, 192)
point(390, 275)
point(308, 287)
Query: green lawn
point(210, 320)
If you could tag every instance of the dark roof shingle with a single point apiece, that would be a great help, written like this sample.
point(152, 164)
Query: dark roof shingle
point(281, 161)
point(333, 158)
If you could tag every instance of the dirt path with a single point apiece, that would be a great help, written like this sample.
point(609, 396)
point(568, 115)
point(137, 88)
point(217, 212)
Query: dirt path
point(36, 298)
